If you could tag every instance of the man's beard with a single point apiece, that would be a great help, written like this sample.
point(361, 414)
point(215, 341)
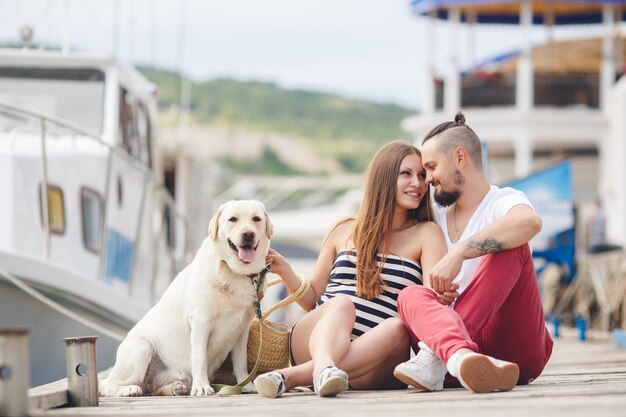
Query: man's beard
point(446, 198)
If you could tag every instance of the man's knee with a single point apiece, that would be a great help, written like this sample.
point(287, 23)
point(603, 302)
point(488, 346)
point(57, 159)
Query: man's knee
point(411, 296)
point(410, 293)
point(519, 255)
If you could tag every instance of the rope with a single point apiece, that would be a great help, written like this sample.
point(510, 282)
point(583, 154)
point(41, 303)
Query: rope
point(58, 307)
point(305, 284)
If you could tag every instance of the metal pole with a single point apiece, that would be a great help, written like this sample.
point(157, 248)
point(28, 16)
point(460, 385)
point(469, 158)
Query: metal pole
point(14, 372)
point(430, 45)
point(44, 191)
point(524, 88)
point(103, 219)
point(183, 115)
point(156, 246)
point(138, 229)
point(472, 18)
point(82, 371)
point(115, 30)
point(65, 24)
point(607, 68)
point(452, 85)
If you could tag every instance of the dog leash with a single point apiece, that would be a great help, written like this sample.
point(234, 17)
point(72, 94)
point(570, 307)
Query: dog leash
point(223, 389)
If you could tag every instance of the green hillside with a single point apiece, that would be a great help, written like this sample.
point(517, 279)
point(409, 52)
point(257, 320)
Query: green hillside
point(349, 130)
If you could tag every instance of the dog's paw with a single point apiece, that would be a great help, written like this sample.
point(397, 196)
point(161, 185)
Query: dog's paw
point(129, 391)
point(178, 388)
point(201, 390)
point(248, 388)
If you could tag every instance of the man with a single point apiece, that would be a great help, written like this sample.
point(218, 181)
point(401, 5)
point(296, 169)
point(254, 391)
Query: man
point(498, 313)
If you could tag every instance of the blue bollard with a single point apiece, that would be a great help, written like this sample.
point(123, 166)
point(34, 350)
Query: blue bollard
point(581, 325)
point(556, 323)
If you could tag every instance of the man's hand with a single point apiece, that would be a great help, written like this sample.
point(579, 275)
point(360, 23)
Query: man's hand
point(448, 297)
point(444, 271)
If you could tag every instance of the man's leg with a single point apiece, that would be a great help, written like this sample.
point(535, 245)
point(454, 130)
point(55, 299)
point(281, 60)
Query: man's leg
point(512, 329)
point(437, 325)
point(503, 280)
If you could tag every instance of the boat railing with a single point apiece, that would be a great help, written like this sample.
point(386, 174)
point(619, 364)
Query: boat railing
point(42, 122)
point(499, 89)
point(278, 193)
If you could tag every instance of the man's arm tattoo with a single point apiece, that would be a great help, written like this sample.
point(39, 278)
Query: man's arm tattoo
point(489, 245)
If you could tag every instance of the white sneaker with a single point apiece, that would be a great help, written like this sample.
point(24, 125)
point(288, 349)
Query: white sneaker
point(482, 373)
point(424, 371)
point(271, 384)
point(330, 382)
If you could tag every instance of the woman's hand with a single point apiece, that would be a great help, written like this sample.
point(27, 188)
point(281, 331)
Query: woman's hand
point(280, 265)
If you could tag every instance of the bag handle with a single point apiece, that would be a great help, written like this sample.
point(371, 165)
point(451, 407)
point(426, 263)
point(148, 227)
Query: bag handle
point(305, 284)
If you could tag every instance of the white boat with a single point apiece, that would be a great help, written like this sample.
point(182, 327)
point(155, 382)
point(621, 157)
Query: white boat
point(79, 131)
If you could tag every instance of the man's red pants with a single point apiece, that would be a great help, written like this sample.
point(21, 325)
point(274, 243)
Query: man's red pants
point(499, 314)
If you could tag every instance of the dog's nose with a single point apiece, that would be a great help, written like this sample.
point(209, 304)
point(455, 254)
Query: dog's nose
point(247, 237)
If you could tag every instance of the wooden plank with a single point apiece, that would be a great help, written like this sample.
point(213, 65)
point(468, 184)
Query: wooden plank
point(52, 395)
point(48, 396)
point(582, 379)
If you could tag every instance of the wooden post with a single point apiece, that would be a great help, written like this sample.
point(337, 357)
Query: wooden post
point(82, 371)
point(14, 372)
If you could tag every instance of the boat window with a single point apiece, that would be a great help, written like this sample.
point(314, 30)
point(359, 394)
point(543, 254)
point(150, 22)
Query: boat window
point(120, 192)
point(91, 210)
point(73, 95)
point(169, 214)
point(128, 123)
point(135, 127)
point(145, 134)
point(56, 209)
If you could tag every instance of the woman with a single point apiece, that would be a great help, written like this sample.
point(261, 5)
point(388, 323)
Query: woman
point(351, 327)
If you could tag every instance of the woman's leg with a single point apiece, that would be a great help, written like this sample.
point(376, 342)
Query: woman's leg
point(325, 331)
point(330, 338)
point(370, 360)
point(373, 356)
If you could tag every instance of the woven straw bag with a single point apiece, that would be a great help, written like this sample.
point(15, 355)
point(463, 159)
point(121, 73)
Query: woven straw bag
point(275, 354)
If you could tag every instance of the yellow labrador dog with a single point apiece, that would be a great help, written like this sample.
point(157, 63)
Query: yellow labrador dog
point(203, 315)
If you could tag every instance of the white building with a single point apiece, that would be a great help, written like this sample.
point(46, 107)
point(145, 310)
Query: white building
point(539, 105)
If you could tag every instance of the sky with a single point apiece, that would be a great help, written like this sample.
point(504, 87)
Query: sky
point(367, 49)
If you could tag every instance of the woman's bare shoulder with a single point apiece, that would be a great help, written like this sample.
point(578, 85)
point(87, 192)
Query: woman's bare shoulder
point(426, 229)
point(342, 225)
point(340, 230)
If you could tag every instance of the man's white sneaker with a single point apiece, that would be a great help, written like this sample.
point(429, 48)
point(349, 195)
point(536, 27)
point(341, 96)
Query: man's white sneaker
point(424, 371)
point(482, 373)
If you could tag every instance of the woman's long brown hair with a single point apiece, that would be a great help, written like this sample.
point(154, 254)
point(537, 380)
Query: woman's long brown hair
point(371, 232)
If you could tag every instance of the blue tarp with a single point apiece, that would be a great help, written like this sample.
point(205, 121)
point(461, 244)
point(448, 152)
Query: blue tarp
point(440, 7)
point(550, 191)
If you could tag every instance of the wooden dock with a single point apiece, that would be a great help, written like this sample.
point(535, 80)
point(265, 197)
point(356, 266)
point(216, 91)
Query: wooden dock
point(582, 379)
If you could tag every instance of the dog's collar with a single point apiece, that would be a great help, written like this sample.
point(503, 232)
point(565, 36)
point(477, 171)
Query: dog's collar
point(264, 271)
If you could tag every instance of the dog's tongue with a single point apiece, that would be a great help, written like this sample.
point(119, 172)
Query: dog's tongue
point(246, 254)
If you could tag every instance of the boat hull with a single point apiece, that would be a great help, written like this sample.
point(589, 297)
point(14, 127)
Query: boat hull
point(47, 328)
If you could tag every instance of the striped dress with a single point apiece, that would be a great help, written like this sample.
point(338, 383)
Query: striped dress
point(397, 273)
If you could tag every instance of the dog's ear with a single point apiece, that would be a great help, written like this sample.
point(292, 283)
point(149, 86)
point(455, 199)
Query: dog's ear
point(214, 223)
point(269, 227)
